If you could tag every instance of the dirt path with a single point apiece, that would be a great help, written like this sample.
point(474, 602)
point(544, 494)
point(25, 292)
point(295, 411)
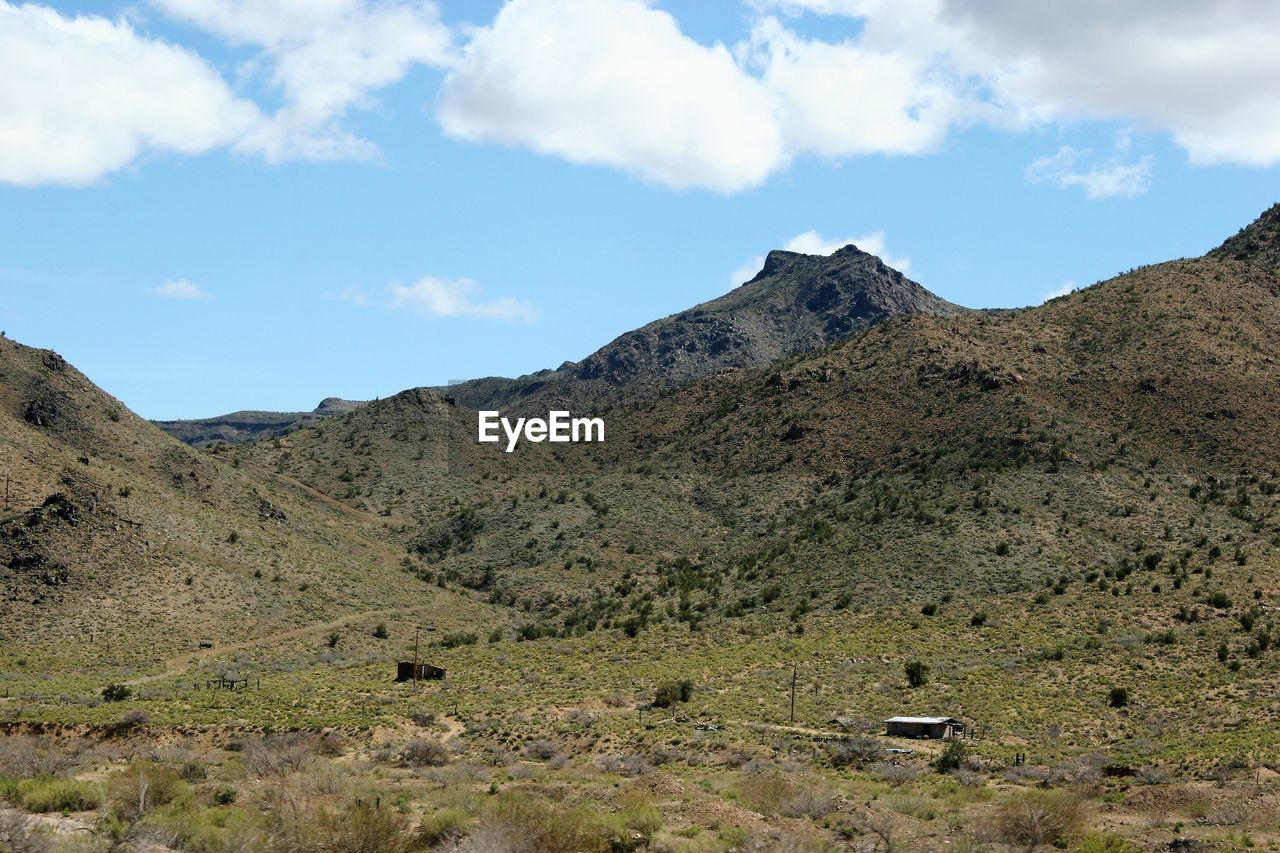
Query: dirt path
point(181, 663)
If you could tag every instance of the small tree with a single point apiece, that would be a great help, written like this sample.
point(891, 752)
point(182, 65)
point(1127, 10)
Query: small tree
point(1118, 697)
point(672, 692)
point(380, 631)
point(917, 673)
point(952, 757)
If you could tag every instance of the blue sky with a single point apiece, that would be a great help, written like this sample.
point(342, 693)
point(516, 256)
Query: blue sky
point(209, 218)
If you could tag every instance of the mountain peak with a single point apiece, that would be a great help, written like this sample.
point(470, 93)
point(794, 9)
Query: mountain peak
point(1256, 243)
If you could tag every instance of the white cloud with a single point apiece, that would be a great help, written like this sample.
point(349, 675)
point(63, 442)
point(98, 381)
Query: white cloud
point(354, 295)
point(1067, 287)
point(813, 243)
point(1069, 168)
point(1203, 71)
point(81, 97)
point(326, 57)
point(848, 98)
point(747, 271)
point(628, 89)
point(181, 288)
point(613, 82)
point(457, 298)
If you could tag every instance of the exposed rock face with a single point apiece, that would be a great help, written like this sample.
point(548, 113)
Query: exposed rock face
point(796, 303)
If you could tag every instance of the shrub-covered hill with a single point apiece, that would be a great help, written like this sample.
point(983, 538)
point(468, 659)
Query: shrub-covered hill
point(1123, 429)
point(120, 546)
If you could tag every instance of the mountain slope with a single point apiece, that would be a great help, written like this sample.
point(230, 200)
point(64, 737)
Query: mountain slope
point(120, 545)
point(238, 427)
point(985, 448)
point(796, 303)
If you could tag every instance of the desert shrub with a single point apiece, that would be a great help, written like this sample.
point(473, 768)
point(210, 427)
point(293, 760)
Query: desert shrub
point(225, 795)
point(280, 754)
point(1118, 697)
point(517, 822)
point(1039, 818)
point(443, 825)
point(423, 717)
point(25, 756)
point(1105, 843)
point(144, 785)
point(458, 638)
point(380, 631)
point(1219, 600)
point(917, 673)
point(333, 639)
point(136, 717)
point(332, 744)
point(952, 757)
point(775, 794)
point(978, 619)
point(355, 829)
point(55, 794)
point(671, 692)
point(116, 693)
point(541, 750)
point(426, 752)
point(853, 751)
point(895, 774)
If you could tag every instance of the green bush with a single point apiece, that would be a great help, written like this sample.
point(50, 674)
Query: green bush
point(54, 794)
point(917, 673)
point(671, 692)
point(1118, 697)
point(444, 825)
point(952, 757)
point(1039, 818)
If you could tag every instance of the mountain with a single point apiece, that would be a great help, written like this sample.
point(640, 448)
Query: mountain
point(796, 303)
point(239, 427)
point(925, 442)
point(119, 545)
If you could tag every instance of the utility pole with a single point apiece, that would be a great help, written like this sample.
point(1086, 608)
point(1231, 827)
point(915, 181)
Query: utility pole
point(794, 670)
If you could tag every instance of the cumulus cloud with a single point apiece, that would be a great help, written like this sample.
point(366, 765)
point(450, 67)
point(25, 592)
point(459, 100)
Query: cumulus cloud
point(629, 89)
point(81, 97)
point(181, 288)
point(613, 82)
point(848, 98)
point(1070, 168)
point(813, 243)
point(457, 298)
point(325, 57)
point(618, 83)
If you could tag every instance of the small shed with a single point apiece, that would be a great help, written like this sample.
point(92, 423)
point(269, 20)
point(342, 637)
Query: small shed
point(407, 670)
point(925, 727)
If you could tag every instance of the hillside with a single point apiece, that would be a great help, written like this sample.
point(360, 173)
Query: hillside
point(239, 427)
point(120, 546)
point(796, 303)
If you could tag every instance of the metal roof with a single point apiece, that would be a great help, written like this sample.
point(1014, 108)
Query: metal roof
point(924, 721)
